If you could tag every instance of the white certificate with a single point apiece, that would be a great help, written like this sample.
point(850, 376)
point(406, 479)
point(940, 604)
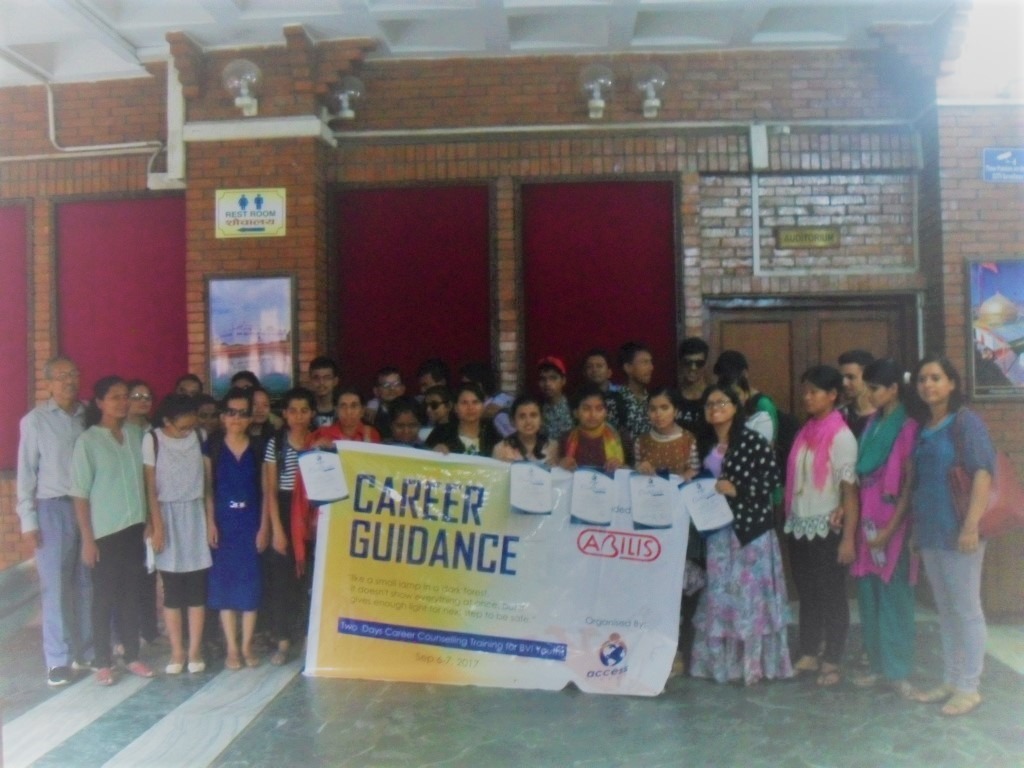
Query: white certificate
point(708, 509)
point(593, 497)
point(530, 491)
point(654, 499)
point(623, 494)
point(561, 492)
point(322, 476)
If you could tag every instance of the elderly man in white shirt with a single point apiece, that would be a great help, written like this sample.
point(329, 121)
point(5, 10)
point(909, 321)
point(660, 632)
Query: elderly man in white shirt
point(48, 434)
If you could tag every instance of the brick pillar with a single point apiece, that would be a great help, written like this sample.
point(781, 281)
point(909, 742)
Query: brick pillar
point(298, 166)
point(508, 281)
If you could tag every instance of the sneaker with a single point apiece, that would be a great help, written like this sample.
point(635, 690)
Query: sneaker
point(58, 676)
point(83, 666)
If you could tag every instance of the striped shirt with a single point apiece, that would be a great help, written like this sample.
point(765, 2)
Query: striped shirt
point(286, 473)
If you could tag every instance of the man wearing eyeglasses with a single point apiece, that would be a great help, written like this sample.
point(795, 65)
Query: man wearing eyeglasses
point(48, 435)
point(693, 361)
point(323, 381)
point(388, 389)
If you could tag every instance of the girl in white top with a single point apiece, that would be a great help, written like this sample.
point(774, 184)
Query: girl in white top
point(173, 466)
point(822, 511)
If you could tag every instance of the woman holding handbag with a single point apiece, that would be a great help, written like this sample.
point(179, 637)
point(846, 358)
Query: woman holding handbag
point(951, 436)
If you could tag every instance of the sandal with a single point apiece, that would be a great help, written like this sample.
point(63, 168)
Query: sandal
point(904, 689)
point(252, 661)
point(934, 695)
point(960, 703)
point(105, 676)
point(868, 680)
point(830, 675)
point(806, 664)
point(232, 662)
point(140, 669)
point(280, 658)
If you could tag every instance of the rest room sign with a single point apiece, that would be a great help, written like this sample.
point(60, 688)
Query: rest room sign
point(251, 212)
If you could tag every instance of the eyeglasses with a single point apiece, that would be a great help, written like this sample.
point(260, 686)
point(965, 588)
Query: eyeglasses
point(716, 404)
point(433, 405)
point(140, 396)
point(390, 384)
point(694, 362)
point(240, 413)
point(67, 376)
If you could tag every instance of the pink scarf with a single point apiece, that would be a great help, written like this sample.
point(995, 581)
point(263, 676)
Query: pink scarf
point(816, 436)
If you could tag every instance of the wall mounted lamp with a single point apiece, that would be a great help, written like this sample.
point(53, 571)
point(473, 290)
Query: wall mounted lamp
point(242, 79)
point(596, 80)
point(650, 81)
point(350, 89)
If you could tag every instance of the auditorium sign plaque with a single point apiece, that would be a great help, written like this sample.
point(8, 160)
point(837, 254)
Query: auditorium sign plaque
point(800, 238)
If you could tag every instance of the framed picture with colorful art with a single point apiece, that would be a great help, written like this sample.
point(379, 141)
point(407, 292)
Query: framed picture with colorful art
point(251, 327)
point(995, 325)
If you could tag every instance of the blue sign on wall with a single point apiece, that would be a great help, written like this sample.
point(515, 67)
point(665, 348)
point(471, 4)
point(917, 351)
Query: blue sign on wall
point(1003, 164)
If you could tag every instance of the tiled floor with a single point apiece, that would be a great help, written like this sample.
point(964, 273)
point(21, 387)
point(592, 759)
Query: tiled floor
point(276, 717)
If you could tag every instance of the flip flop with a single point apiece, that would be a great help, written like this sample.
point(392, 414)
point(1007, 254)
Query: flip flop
point(869, 680)
point(934, 695)
point(960, 703)
point(904, 689)
point(252, 661)
point(280, 658)
point(806, 664)
point(830, 676)
point(232, 662)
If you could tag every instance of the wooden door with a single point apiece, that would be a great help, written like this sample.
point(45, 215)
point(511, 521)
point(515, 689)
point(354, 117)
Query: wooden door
point(781, 339)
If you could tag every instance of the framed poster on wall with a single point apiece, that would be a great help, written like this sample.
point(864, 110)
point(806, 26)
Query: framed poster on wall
point(251, 328)
point(995, 319)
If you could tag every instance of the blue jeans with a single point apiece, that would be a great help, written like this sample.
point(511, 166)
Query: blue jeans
point(955, 579)
point(65, 585)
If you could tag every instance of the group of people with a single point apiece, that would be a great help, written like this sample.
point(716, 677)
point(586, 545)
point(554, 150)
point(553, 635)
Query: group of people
point(862, 489)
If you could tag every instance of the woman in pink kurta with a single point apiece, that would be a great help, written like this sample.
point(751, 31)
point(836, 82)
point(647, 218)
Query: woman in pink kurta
point(884, 567)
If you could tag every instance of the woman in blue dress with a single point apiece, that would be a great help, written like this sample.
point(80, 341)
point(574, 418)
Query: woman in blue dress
point(952, 552)
point(234, 510)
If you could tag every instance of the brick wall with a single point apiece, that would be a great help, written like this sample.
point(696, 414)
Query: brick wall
point(45, 183)
point(983, 219)
point(848, 160)
point(708, 87)
point(296, 165)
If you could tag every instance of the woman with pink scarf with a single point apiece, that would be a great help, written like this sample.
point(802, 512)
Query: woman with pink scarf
point(884, 568)
point(821, 520)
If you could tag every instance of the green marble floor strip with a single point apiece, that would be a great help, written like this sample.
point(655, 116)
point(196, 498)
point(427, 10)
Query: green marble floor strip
point(194, 733)
point(1006, 643)
point(29, 737)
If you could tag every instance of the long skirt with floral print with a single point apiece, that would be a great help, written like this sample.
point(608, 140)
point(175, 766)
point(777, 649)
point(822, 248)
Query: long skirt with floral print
point(743, 612)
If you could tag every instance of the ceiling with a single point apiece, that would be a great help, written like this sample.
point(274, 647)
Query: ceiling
point(86, 40)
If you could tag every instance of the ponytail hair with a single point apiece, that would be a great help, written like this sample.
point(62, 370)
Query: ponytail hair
point(100, 389)
point(174, 406)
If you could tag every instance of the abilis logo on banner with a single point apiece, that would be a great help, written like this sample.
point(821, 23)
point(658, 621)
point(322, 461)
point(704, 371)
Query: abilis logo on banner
point(621, 545)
